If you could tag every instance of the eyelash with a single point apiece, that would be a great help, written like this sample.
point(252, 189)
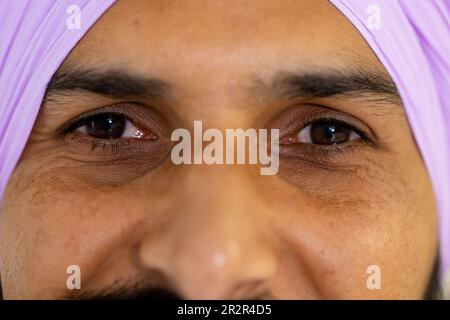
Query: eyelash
point(324, 153)
point(317, 151)
point(360, 132)
point(107, 146)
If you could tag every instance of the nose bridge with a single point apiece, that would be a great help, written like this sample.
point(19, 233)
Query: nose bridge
point(215, 189)
point(218, 240)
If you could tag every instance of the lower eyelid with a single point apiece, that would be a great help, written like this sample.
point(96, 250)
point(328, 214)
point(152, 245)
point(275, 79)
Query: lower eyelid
point(324, 153)
point(84, 148)
point(79, 142)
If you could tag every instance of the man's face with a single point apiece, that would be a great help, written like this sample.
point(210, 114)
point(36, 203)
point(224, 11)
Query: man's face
point(96, 186)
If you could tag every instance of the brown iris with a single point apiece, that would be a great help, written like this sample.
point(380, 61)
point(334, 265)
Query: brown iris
point(106, 126)
point(326, 133)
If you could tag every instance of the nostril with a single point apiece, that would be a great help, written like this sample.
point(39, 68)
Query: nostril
point(149, 284)
point(250, 290)
point(145, 293)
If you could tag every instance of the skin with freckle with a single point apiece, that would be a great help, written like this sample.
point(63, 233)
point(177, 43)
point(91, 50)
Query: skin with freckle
point(129, 217)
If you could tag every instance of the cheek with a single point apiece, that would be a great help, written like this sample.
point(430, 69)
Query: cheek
point(52, 219)
point(373, 219)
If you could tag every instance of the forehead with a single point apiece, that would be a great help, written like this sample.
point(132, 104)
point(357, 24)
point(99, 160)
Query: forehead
point(182, 36)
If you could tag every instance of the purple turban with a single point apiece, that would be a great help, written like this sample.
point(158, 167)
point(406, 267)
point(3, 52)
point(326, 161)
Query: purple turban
point(410, 37)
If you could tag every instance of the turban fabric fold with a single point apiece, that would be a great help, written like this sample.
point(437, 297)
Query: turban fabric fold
point(410, 37)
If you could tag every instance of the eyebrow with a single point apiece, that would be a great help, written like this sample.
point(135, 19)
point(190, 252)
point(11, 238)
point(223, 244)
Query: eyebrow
point(109, 83)
point(365, 85)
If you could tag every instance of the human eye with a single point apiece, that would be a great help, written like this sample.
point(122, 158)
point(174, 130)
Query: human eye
point(110, 125)
point(324, 132)
point(323, 136)
point(120, 130)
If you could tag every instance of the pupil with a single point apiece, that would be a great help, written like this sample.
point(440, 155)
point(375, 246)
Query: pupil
point(106, 126)
point(329, 133)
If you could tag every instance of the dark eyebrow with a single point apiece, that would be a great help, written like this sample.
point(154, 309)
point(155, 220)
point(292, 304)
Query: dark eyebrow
point(363, 85)
point(110, 83)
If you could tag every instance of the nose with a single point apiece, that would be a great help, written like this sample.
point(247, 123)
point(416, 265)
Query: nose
point(216, 242)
